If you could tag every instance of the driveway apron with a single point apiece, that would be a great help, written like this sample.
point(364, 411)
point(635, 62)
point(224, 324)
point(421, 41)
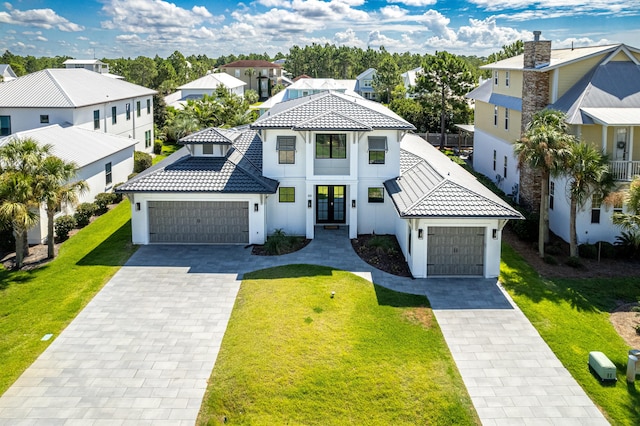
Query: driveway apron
point(142, 350)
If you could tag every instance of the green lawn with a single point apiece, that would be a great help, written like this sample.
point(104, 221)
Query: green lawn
point(45, 300)
point(573, 317)
point(294, 355)
point(167, 150)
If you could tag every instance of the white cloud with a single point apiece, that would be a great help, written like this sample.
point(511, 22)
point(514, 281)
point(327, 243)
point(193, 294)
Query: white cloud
point(275, 3)
point(484, 34)
point(438, 24)
point(339, 10)
point(348, 38)
point(562, 7)
point(377, 39)
point(414, 3)
point(39, 18)
point(43, 39)
point(579, 42)
point(393, 12)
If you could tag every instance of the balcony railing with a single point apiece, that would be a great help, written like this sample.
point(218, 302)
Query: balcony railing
point(624, 170)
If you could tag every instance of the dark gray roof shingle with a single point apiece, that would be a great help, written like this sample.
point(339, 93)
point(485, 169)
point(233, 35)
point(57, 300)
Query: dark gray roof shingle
point(212, 135)
point(239, 172)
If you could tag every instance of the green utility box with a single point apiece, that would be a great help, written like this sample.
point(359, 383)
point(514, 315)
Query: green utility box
point(602, 366)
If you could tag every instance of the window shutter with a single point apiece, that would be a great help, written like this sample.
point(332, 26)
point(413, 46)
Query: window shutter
point(378, 143)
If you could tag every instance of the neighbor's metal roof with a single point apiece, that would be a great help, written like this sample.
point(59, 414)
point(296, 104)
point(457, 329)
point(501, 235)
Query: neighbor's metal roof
point(239, 172)
point(213, 80)
point(81, 146)
point(312, 113)
point(431, 185)
point(484, 93)
point(66, 88)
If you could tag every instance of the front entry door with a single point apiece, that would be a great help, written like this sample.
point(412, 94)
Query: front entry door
point(330, 204)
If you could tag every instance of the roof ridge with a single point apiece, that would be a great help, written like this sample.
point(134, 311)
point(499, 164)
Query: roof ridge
point(59, 86)
point(331, 112)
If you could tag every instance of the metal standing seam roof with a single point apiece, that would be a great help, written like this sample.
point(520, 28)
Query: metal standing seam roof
point(213, 80)
point(292, 114)
point(434, 186)
point(484, 93)
point(80, 146)
point(610, 93)
point(236, 173)
point(66, 88)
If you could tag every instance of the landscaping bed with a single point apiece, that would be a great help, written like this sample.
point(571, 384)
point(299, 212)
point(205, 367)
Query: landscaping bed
point(382, 252)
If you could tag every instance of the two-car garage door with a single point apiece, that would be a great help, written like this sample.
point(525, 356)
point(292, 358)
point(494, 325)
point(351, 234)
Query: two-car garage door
point(199, 222)
point(455, 251)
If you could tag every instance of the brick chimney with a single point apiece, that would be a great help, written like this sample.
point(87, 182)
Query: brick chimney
point(535, 97)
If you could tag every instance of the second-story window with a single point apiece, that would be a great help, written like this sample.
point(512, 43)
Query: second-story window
point(114, 115)
point(596, 203)
point(495, 78)
point(44, 119)
point(137, 108)
point(331, 146)
point(286, 147)
point(506, 118)
point(148, 106)
point(108, 177)
point(494, 160)
point(495, 115)
point(96, 119)
point(504, 174)
point(128, 111)
point(5, 125)
point(506, 78)
point(377, 149)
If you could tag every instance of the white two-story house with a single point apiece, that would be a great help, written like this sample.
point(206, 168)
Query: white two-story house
point(79, 98)
point(327, 159)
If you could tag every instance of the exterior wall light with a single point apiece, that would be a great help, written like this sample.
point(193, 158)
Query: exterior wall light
point(420, 234)
point(494, 233)
point(353, 203)
point(255, 207)
point(309, 203)
point(137, 206)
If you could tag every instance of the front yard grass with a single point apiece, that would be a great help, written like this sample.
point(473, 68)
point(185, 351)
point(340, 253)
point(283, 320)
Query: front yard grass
point(294, 355)
point(45, 300)
point(572, 316)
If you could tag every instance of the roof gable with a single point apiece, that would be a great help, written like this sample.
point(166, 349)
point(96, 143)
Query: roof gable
point(211, 135)
point(213, 80)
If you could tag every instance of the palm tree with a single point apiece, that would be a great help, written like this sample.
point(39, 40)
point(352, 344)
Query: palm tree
point(20, 160)
point(54, 187)
point(588, 174)
point(250, 72)
point(17, 208)
point(543, 148)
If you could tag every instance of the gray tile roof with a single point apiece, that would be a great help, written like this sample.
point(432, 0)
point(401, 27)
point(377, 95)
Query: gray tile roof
point(608, 85)
point(211, 135)
point(330, 111)
point(431, 185)
point(238, 172)
point(66, 88)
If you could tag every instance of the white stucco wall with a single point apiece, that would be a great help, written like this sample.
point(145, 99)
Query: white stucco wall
point(483, 146)
point(140, 218)
point(290, 217)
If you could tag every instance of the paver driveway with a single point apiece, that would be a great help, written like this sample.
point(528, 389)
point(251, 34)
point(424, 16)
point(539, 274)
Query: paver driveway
point(143, 348)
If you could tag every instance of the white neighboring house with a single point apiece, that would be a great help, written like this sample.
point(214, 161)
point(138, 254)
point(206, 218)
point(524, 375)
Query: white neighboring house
point(94, 65)
point(6, 73)
point(79, 98)
point(206, 85)
point(102, 160)
point(409, 80)
point(324, 159)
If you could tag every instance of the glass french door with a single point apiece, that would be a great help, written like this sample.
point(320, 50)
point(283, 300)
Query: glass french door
point(330, 204)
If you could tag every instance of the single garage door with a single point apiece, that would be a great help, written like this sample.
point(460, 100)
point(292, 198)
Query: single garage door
point(455, 251)
point(199, 222)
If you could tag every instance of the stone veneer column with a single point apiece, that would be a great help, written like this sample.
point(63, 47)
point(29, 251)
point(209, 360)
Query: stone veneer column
point(535, 97)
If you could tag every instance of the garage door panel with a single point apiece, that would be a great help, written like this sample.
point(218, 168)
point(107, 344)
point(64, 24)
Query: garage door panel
point(198, 222)
point(455, 251)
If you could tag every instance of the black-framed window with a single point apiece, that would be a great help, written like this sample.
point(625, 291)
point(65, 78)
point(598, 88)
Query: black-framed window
point(596, 204)
point(506, 78)
point(376, 194)
point(207, 149)
point(114, 115)
point(96, 119)
point(377, 149)
point(286, 147)
point(108, 177)
point(552, 194)
point(5, 125)
point(44, 118)
point(148, 106)
point(495, 115)
point(147, 139)
point(128, 111)
point(495, 78)
point(287, 194)
point(494, 159)
point(137, 108)
point(331, 145)
point(504, 174)
point(506, 118)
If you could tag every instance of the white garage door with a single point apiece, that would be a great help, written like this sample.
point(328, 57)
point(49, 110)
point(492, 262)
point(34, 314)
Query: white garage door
point(455, 251)
point(199, 222)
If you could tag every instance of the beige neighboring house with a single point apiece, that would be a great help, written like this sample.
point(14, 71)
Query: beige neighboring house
point(259, 75)
point(206, 85)
point(79, 98)
point(94, 65)
point(597, 87)
point(6, 73)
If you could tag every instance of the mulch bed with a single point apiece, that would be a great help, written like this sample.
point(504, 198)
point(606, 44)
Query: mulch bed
point(392, 262)
point(259, 250)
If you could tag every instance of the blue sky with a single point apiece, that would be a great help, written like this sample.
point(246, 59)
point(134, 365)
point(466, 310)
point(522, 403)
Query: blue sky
point(130, 28)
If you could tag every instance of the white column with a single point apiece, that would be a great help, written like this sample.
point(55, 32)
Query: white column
point(353, 211)
point(604, 139)
point(630, 153)
point(310, 197)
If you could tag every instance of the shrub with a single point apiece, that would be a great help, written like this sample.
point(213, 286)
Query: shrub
point(383, 244)
point(553, 249)
point(157, 147)
point(83, 214)
point(277, 242)
point(63, 225)
point(607, 250)
point(103, 200)
point(7, 240)
point(141, 161)
point(628, 243)
point(132, 175)
point(527, 229)
point(117, 195)
point(588, 251)
point(574, 262)
point(548, 259)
